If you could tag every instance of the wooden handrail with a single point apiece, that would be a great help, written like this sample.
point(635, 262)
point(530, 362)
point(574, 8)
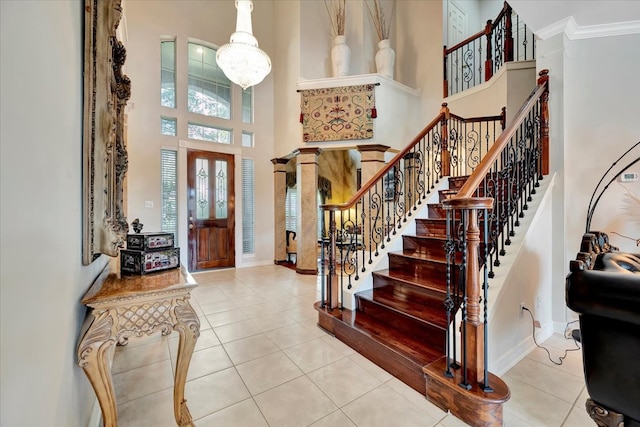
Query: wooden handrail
point(477, 119)
point(503, 12)
point(465, 41)
point(366, 187)
point(480, 33)
point(474, 181)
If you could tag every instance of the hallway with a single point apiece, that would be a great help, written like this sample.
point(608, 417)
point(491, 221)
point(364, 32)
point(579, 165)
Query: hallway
point(262, 361)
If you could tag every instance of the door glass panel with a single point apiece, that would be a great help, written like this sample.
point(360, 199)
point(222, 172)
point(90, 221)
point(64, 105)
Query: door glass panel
point(221, 189)
point(202, 189)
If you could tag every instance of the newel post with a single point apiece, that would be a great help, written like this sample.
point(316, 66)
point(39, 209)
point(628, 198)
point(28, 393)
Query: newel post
point(508, 34)
point(488, 64)
point(444, 149)
point(473, 323)
point(544, 122)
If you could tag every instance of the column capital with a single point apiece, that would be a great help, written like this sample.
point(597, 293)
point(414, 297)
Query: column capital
point(373, 147)
point(308, 150)
point(279, 161)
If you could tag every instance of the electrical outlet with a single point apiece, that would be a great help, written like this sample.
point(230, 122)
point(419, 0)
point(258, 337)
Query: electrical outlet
point(521, 309)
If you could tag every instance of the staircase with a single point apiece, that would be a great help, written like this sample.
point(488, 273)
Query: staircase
point(401, 323)
point(400, 319)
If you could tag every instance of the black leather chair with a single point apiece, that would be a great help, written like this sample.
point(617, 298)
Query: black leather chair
point(604, 288)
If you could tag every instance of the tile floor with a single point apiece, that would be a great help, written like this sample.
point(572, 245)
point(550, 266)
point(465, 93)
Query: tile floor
point(262, 361)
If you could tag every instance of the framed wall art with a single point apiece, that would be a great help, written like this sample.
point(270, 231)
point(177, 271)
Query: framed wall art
point(106, 91)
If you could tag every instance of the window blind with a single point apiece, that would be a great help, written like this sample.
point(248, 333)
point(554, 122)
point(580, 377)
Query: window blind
point(248, 208)
point(169, 202)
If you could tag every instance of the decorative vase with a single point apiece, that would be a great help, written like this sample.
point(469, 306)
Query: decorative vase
point(385, 59)
point(340, 56)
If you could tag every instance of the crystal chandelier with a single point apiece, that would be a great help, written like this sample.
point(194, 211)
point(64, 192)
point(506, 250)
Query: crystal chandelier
point(241, 60)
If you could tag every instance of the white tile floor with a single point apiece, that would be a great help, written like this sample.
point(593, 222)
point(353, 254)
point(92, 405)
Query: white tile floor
point(262, 361)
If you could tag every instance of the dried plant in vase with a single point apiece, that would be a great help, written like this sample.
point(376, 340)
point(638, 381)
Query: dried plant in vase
point(340, 52)
point(379, 20)
point(385, 57)
point(337, 13)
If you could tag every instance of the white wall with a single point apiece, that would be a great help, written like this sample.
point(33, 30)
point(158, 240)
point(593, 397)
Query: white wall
point(601, 121)
point(593, 120)
point(524, 276)
point(509, 88)
point(209, 22)
point(41, 275)
point(419, 52)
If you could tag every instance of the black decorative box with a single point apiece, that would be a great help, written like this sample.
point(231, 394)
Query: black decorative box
point(143, 262)
point(149, 241)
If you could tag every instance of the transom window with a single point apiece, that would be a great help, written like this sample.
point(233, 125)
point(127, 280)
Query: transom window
point(209, 133)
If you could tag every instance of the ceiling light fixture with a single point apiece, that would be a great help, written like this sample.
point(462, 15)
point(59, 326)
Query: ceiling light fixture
point(241, 60)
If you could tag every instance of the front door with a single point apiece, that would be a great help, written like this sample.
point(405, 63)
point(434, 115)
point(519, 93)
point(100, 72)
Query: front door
point(211, 210)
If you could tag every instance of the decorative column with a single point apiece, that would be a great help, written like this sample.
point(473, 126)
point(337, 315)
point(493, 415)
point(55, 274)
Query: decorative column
point(371, 160)
point(307, 184)
point(279, 197)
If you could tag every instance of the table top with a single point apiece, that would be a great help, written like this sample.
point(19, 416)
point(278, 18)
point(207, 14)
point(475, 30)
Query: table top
point(111, 285)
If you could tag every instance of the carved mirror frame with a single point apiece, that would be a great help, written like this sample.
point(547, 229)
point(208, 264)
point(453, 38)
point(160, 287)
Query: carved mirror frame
point(106, 91)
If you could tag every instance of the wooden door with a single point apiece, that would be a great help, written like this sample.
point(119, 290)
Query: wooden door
point(211, 210)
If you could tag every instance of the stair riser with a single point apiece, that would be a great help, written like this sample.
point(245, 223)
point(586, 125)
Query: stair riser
point(405, 370)
point(424, 246)
point(412, 291)
point(435, 272)
point(432, 335)
point(456, 183)
point(437, 211)
point(431, 227)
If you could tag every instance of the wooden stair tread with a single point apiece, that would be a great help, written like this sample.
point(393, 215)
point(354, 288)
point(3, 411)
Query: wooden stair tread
point(423, 309)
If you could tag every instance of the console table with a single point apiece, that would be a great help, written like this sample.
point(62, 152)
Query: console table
point(125, 306)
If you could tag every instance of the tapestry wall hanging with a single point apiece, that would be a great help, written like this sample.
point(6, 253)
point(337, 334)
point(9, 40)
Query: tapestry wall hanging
point(338, 113)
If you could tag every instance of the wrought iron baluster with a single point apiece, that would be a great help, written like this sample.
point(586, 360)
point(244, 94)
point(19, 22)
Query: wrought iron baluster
point(485, 288)
point(449, 248)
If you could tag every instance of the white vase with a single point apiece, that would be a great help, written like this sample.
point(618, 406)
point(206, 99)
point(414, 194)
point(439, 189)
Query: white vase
point(385, 59)
point(340, 56)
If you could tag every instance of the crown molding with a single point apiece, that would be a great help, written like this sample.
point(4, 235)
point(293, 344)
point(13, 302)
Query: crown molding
point(573, 31)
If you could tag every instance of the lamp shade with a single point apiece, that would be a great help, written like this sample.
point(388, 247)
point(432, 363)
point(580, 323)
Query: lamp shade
point(241, 60)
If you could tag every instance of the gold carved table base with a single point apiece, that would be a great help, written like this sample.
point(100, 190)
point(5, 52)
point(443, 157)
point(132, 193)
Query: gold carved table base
point(119, 311)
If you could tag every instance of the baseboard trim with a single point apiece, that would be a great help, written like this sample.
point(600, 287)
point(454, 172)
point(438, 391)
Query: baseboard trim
point(509, 359)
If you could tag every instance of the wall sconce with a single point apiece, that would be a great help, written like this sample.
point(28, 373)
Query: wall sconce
point(241, 60)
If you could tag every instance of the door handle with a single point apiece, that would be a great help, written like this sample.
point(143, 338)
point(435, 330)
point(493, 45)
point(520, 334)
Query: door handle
point(190, 226)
